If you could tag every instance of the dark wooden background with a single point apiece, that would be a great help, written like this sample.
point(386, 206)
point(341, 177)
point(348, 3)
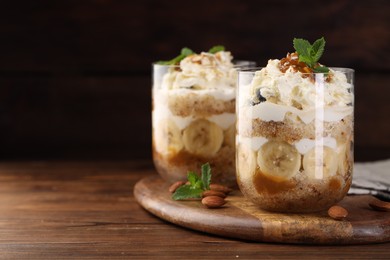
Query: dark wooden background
point(75, 76)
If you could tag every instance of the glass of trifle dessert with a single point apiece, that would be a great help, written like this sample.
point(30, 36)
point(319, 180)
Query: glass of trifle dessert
point(295, 132)
point(193, 114)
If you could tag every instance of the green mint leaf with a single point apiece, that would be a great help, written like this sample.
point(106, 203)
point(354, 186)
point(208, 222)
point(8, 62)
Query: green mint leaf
point(174, 61)
point(186, 51)
point(193, 178)
point(321, 69)
point(187, 192)
point(302, 47)
point(318, 49)
point(183, 54)
point(216, 49)
point(197, 185)
point(307, 53)
point(164, 62)
point(306, 60)
point(206, 176)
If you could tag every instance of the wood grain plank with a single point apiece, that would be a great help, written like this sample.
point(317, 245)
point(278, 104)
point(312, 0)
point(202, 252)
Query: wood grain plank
point(239, 218)
point(111, 225)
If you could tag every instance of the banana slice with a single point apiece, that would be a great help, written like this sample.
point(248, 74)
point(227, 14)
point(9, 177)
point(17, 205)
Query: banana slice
point(320, 162)
point(167, 138)
point(344, 158)
point(229, 136)
point(279, 160)
point(203, 138)
point(246, 162)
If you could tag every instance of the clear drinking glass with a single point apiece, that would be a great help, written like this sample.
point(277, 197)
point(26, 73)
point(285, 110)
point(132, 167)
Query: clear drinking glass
point(194, 125)
point(296, 155)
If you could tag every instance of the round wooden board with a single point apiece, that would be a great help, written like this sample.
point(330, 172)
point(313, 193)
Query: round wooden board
point(241, 219)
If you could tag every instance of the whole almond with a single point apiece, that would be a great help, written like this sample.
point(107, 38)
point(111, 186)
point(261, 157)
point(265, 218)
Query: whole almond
point(176, 185)
point(213, 201)
point(379, 205)
point(220, 188)
point(213, 193)
point(337, 212)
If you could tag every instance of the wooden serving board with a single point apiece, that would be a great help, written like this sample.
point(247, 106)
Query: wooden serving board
point(241, 219)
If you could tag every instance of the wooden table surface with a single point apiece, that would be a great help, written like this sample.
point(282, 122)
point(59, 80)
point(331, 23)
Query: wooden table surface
point(54, 210)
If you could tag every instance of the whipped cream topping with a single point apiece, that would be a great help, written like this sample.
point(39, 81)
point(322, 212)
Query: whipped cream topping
point(200, 74)
point(293, 90)
point(203, 71)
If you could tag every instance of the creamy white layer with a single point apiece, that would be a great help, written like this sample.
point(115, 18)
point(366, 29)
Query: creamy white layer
point(224, 94)
point(268, 111)
point(203, 74)
point(161, 110)
point(203, 71)
point(292, 88)
point(303, 146)
point(295, 93)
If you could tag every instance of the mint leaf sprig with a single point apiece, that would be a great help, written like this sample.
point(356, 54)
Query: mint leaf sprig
point(185, 52)
point(216, 48)
point(310, 54)
point(197, 185)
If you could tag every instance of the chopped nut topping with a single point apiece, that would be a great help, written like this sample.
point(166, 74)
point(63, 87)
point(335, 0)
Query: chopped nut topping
point(292, 61)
